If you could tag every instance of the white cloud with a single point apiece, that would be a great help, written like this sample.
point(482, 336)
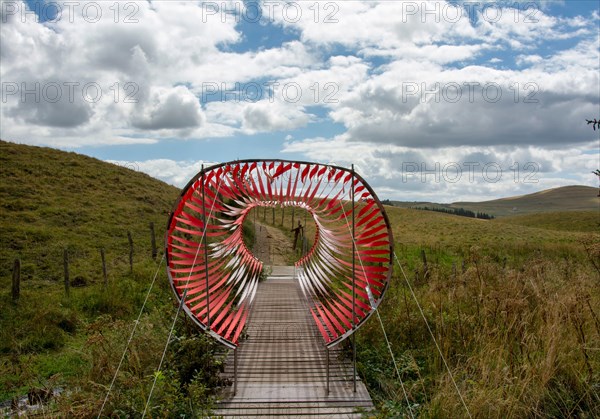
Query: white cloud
point(448, 174)
point(387, 74)
point(145, 64)
point(267, 117)
point(175, 108)
point(176, 173)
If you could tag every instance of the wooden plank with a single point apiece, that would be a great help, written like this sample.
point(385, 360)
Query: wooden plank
point(282, 363)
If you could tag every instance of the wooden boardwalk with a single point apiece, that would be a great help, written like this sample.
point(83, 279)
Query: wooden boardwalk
point(282, 365)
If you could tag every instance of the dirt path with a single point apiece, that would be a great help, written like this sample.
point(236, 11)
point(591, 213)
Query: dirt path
point(272, 247)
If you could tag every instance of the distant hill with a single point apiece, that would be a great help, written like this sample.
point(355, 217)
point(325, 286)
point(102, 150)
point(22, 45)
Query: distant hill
point(566, 198)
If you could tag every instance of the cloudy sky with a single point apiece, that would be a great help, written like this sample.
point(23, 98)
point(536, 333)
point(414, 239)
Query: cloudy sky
point(440, 101)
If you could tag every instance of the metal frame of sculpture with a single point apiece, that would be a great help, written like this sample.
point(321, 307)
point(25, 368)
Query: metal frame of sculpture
point(343, 276)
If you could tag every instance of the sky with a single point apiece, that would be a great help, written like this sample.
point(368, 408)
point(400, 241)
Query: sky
point(433, 101)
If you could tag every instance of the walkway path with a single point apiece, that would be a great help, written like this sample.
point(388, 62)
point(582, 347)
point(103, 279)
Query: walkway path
point(272, 247)
point(282, 365)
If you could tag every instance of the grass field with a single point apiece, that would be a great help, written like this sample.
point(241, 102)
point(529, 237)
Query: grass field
point(584, 221)
point(51, 201)
point(513, 303)
point(514, 310)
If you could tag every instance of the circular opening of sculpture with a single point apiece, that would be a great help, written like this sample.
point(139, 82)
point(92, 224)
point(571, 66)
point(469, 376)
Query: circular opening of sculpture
point(343, 249)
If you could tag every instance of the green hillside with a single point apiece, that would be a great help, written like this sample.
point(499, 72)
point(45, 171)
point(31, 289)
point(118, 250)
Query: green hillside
point(50, 201)
point(563, 199)
point(513, 304)
point(566, 198)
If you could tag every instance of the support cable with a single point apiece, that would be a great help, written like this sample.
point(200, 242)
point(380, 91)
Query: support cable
point(395, 365)
point(433, 337)
point(135, 325)
point(381, 323)
point(181, 303)
point(428, 328)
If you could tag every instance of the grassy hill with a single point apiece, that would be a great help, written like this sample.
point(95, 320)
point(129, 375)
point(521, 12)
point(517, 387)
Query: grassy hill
point(50, 201)
point(514, 306)
point(566, 198)
point(563, 199)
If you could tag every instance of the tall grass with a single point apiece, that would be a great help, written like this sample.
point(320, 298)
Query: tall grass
point(515, 311)
point(50, 341)
point(52, 200)
point(521, 338)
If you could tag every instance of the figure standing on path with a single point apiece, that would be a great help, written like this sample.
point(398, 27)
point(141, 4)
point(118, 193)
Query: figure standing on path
point(297, 231)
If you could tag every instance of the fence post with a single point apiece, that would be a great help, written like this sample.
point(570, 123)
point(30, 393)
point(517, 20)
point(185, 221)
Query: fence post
point(153, 240)
point(425, 269)
point(66, 267)
point(293, 210)
point(104, 275)
point(16, 280)
point(130, 251)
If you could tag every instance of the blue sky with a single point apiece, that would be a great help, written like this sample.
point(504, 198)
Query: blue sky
point(441, 101)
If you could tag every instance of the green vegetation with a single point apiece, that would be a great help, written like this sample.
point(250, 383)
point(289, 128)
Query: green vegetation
point(566, 198)
point(52, 200)
point(458, 211)
point(514, 303)
point(586, 221)
point(515, 311)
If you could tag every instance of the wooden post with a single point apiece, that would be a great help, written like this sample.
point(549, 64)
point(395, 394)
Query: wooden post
point(66, 266)
point(425, 269)
point(16, 280)
point(305, 215)
point(130, 251)
point(153, 241)
point(104, 275)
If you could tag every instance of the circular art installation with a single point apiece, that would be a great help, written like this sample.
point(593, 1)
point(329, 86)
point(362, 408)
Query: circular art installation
point(215, 277)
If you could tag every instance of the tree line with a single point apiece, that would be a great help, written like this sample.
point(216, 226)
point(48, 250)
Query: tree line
point(459, 211)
